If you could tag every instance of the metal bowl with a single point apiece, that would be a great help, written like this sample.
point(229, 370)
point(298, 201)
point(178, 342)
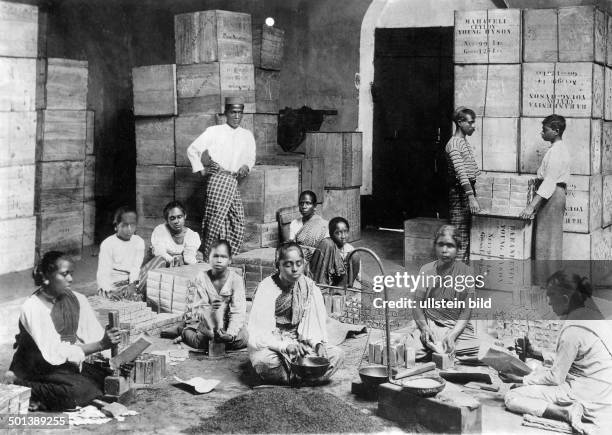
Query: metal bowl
point(310, 367)
point(408, 385)
point(374, 375)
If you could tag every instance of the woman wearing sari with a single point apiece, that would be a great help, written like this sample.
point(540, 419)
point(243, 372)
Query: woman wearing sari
point(311, 228)
point(288, 320)
point(577, 388)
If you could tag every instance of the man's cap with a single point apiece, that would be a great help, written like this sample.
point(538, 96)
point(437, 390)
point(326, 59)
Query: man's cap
point(234, 101)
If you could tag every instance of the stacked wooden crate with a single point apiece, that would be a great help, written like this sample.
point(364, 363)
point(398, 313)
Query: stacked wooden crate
point(18, 52)
point(65, 168)
point(341, 156)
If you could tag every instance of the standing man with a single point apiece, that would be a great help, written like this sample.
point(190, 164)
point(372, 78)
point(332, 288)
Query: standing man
point(231, 152)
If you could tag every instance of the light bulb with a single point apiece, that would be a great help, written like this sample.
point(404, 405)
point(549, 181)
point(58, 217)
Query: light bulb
point(269, 21)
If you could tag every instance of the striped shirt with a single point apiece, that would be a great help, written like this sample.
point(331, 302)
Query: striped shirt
point(462, 167)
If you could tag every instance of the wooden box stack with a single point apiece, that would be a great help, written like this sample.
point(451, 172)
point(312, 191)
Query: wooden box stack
point(341, 155)
point(65, 173)
point(256, 265)
point(149, 369)
point(14, 399)
point(18, 51)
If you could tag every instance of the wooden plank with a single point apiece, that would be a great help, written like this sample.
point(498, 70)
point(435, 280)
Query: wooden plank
point(154, 189)
point(155, 141)
point(583, 204)
point(18, 30)
point(582, 34)
point(210, 36)
point(342, 154)
point(345, 203)
point(606, 148)
point(89, 133)
point(607, 93)
point(583, 135)
point(17, 138)
point(268, 47)
point(189, 188)
point(17, 185)
point(89, 223)
point(60, 231)
point(265, 132)
point(17, 244)
point(154, 90)
point(64, 82)
point(313, 177)
point(500, 144)
point(187, 128)
point(17, 84)
point(59, 186)
point(238, 80)
point(608, 43)
point(507, 238)
point(540, 35)
point(61, 135)
point(267, 91)
point(488, 36)
point(89, 182)
point(266, 190)
point(606, 217)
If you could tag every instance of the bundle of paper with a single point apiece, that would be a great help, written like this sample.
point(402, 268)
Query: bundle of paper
point(502, 360)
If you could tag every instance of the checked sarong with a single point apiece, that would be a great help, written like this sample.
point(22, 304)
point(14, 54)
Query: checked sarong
point(223, 211)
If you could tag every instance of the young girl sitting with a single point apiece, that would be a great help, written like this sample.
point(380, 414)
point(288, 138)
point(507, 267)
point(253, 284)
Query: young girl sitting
point(329, 262)
point(121, 256)
point(220, 303)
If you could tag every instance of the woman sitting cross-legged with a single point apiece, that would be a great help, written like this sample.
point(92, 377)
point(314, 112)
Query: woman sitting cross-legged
point(57, 329)
point(577, 388)
point(220, 304)
point(288, 320)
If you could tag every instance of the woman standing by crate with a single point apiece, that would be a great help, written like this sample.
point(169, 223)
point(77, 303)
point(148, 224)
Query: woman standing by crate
point(462, 173)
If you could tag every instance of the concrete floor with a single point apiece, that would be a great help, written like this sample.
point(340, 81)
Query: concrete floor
point(165, 408)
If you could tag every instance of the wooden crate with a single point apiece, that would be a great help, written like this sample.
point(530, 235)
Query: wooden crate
point(146, 225)
point(582, 34)
point(89, 132)
point(268, 46)
point(258, 235)
point(488, 36)
point(154, 90)
point(17, 244)
point(17, 84)
point(583, 205)
point(606, 148)
point(62, 84)
point(568, 89)
point(14, 399)
point(312, 177)
point(502, 274)
point(345, 203)
point(89, 223)
point(608, 41)
point(154, 189)
point(504, 194)
point(255, 265)
point(18, 30)
point(17, 186)
point(61, 135)
point(606, 218)
point(267, 91)
point(506, 238)
point(89, 182)
point(596, 245)
point(489, 90)
point(203, 87)
point(59, 187)
point(210, 36)
point(419, 238)
point(267, 189)
point(187, 128)
point(540, 35)
point(17, 138)
point(155, 141)
point(342, 154)
point(607, 114)
point(265, 132)
point(500, 138)
point(583, 136)
point(189, 188)
point(60, 232)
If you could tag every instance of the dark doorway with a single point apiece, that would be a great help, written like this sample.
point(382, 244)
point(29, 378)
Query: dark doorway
point(413, 104)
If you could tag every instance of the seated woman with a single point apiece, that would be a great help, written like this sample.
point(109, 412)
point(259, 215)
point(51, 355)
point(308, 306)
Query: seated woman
point(57, 329)
point(446, 330)
point(220, 304)
point(288, 320)
point(121, 257)
point(311, 228)
point(577, 388)
point(329, 262)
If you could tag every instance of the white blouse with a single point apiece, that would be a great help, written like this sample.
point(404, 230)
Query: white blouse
point(165, 246)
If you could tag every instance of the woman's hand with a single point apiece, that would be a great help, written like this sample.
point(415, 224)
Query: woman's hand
point(223, 337)
point(510, 377)
point(448, 342)
point(243, 171)
point(528, 212)
point(297, 349)
point(111, 336)
point(427, 336)
point(321, 350)
point(473, 202)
